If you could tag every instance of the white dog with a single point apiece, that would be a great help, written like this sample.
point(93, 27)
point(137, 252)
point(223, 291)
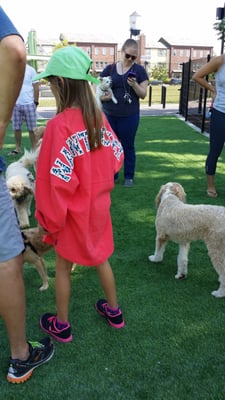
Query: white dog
point(103, 88)
point(183, 223)
point(21, 185)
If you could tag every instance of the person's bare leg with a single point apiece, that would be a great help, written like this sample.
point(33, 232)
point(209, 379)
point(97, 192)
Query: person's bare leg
point(13, 306)
point(107, 281)
point(63, 287)
point(18, 138)
point(211, 190)
point(32, 139)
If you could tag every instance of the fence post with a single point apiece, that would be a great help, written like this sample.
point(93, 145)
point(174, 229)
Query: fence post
point(163, 96)
point(205, 100)
point(200, 100)
point(150, 96)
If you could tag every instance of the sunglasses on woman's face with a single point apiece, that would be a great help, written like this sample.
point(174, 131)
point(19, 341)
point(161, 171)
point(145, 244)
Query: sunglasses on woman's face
point(129, 56)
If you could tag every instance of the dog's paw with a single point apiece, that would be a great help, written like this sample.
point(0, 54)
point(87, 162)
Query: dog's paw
point(24, 226)
point(154, 258)
point(73, 267)
point(218, 293)
point(180, 276)
point(44, 287)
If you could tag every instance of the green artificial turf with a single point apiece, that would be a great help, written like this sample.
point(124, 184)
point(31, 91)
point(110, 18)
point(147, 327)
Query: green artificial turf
point(173, 344)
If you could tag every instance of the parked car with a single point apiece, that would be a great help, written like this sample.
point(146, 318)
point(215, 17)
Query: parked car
point(156, 82)
point(175, 81)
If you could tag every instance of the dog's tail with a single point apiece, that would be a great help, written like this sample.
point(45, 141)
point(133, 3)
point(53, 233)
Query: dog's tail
point(29, 158)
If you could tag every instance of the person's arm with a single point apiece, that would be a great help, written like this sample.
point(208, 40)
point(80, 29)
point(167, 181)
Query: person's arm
point(139, 88)
point(212, 66)
point(12, 67)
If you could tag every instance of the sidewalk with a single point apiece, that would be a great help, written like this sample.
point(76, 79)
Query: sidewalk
point(157, 109)
point(145, 110)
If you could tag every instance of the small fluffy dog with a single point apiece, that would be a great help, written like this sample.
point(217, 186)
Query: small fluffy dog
point(35, 248)
point(103, 88)
point(183, 223)
point(21, 185)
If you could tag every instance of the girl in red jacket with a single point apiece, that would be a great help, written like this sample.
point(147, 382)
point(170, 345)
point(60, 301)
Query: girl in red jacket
point(79, 157)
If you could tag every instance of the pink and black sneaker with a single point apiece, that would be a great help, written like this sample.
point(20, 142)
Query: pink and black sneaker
point(48, 323)
point(114, 318)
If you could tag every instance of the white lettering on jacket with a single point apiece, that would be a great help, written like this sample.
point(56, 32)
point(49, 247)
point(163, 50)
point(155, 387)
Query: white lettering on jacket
point(76, 146)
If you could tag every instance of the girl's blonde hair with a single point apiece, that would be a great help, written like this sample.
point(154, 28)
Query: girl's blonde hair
point(78, 93)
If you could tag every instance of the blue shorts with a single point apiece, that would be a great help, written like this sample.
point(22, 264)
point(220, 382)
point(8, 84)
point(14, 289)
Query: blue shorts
point(26, 113)
point(11, 242)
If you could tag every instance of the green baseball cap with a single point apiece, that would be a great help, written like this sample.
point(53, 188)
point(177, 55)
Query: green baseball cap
point(69, 62)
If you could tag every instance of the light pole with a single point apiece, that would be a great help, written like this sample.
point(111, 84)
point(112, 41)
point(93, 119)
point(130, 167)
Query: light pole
point(134, 30)
point(220, 15)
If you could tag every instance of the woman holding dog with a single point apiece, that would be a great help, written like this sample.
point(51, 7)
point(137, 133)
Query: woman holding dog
point(78, 158)
point(129, 85)
point(217, 123)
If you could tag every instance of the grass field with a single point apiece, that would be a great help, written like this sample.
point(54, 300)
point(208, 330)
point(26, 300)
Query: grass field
point(173, 344)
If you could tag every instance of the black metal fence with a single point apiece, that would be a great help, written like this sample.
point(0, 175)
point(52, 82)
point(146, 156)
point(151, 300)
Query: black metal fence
point(194, 100)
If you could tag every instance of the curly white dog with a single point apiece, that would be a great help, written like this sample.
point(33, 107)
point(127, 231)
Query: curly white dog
point(103, 88)
point(183, 223)
point(21, 185)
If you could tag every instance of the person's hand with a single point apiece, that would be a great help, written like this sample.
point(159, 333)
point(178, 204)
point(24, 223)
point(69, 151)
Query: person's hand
point(132, 82)
point(107, 96)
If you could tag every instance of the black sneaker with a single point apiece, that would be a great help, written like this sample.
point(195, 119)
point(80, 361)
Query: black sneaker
point(48, 325)
point(40, 352)
point(114, 320)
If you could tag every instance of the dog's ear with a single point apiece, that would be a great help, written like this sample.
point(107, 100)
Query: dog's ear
point(159, 196)
point(178, 190)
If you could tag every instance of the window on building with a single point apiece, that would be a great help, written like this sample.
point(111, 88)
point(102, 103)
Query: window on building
point(188, 53)
point(104, 52)
point(181, 53)
point(111, 51)
point(96, 51)
point(174, 52)
point(161, 52)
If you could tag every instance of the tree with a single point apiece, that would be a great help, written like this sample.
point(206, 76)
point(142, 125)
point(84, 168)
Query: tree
point(63, 42)
point(220, 28)
point(159, 72)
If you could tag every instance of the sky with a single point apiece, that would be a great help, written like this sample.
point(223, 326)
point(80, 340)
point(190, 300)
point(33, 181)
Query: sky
point(176, 19)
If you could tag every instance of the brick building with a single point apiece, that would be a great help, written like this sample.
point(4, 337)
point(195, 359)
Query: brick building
point(163, 53)
point(181, 52)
